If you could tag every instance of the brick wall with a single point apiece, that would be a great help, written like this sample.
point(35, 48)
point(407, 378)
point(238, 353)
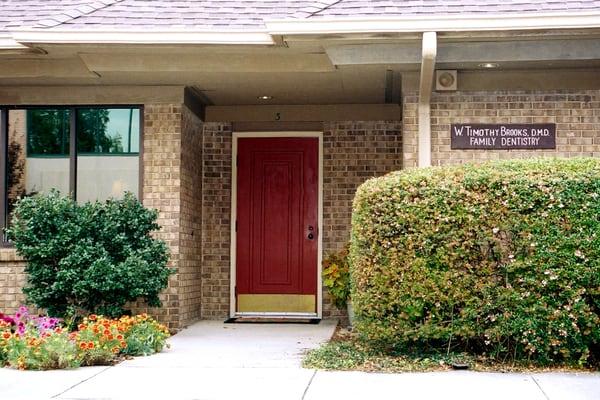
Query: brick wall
point(12, 279)
point(576, 114)
point(216, 206)
point(161, 182)
point(190, 234)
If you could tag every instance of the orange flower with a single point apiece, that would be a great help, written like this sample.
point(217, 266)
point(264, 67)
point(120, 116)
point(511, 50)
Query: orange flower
point(119, 337)
point(82, 345)
point(110, 337)
point(106, 332)
point(90, 345)
point(115, 350)
point(123, 344)
point(93, 317)
point(58, 329)
point(6, 335)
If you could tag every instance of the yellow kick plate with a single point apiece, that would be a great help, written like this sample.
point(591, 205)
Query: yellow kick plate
point(298, 303)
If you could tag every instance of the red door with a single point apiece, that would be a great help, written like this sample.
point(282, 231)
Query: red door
point(277, 221)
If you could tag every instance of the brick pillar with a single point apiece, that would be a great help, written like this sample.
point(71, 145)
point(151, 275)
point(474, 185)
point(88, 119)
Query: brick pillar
point(161, 191)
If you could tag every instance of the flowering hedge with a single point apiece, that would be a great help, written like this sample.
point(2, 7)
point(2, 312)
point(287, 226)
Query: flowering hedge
point(501, 258)
point(32, 342)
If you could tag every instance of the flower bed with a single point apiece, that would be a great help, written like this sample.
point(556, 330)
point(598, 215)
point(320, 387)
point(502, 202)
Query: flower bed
point(41, 342)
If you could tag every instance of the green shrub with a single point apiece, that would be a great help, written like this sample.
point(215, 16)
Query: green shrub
point(501, 258)
point(92, 258)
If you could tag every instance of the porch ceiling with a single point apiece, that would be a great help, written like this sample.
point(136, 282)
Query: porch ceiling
point(316, 71)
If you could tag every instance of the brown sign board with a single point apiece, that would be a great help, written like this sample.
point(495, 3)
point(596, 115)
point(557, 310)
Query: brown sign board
point(502, 136)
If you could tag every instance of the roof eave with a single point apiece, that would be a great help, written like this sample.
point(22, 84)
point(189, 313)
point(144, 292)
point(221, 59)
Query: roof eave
point(7, 43)
point(21, 38)
point(435, 23)
point(72, 36)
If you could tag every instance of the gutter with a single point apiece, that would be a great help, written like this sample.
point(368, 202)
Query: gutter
point(429, 54)
point(436, 23)
point(8, 43)
point(71, 36)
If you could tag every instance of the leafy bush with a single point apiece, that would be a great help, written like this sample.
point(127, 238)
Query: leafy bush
point(336, 277)
point(90, 258)
point(501, 258)
point(143, 335)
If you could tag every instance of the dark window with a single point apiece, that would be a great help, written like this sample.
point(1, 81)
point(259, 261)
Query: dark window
point(91, 153)
point(47, 132)
point(108, 131)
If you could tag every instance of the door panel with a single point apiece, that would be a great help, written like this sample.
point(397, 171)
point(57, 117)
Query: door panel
point(277, 202)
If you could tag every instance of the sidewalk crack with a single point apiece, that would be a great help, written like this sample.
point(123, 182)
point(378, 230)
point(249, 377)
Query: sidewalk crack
point(309, 383)
point(540, 387)
point(79, 383)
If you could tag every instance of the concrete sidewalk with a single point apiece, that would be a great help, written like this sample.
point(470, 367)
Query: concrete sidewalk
point(212, 360)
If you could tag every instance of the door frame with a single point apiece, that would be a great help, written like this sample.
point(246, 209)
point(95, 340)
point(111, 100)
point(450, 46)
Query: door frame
point(233, 240)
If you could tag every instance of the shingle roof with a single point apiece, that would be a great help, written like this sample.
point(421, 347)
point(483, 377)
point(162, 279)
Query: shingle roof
point(245, 14)
point(27, 13)
point(148, 14)
point(392, 8)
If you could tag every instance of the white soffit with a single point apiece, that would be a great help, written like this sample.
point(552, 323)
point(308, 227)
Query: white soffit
point(436, 23)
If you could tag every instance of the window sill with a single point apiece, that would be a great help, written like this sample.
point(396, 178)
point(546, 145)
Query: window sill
point(9, 253)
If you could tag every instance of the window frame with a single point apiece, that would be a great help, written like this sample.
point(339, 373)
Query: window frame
point(4, 117)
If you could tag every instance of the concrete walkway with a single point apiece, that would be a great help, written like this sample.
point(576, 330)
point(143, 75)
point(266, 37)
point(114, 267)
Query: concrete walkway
point(212, 360)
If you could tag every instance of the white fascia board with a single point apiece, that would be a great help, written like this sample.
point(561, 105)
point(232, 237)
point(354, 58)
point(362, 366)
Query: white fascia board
point(141, 37)
point(436, 23)
point(8, 43)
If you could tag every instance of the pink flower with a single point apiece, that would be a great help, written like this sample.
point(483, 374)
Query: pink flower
point(7, 319)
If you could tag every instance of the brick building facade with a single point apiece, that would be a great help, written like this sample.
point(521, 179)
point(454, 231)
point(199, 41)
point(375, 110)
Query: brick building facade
point(187, 177)
point(314, 98)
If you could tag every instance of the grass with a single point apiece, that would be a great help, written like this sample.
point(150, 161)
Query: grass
point(347, 353)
